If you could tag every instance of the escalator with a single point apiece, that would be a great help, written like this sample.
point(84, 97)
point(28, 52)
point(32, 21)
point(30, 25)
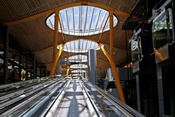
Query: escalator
point(69, 98)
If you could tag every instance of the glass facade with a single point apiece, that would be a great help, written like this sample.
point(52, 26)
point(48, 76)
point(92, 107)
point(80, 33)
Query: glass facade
point(162, 29)
point(136, 49)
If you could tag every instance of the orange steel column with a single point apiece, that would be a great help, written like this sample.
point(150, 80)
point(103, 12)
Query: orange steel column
point(114, 71)
point(55, 34)
point(86, 75)
point(111, 59)
point(67, 71)
point(111, 34)
point(55, 61)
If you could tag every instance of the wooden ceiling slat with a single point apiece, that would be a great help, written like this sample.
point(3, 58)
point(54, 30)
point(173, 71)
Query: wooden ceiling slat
point(34, 35)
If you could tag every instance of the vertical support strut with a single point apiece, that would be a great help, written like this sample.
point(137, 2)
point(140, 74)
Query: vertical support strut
point(86, 75)
point(55, 61)
point(111, 34)
point(56, 54)
point(114, 71)
point(55, 35)
point(67, 71)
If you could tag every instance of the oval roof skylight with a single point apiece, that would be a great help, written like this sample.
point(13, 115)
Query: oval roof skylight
point(82, 20)
point(79, 46)
point(76, 75)
point(79, 66)
point(78, 58)
point(78, 71)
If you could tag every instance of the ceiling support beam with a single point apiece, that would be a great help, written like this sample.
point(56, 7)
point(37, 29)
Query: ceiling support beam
point(110, 57)
point(103, 30)
point(61, 28)
point(111, 33)
point(114, 71)
point(86, 74)
point(67, 71)
point(55, 34)
point(55, 61)
point(118, 12)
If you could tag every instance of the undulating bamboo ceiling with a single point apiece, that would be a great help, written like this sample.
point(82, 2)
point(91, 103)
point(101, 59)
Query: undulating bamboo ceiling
point(35, 36)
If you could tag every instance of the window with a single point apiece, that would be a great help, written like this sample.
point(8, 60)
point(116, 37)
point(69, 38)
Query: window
point(162, 29)
point(136, 49)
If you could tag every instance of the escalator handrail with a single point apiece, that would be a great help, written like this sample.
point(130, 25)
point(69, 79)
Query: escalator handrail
point(124, 106)
point(23, 82)
point(61, 93)
point(92, 103)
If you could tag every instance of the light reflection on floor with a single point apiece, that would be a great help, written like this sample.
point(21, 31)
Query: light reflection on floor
point(73, 103)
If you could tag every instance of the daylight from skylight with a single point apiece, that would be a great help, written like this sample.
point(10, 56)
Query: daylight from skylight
point(78, 58)
point(78, 71)
point(82, 20)
point(80, 46)
point(79, 66)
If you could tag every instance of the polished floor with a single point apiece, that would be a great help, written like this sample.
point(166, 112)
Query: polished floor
point(73, 103)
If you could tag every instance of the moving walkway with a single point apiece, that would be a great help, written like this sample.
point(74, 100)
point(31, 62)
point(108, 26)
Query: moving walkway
point(58, 97)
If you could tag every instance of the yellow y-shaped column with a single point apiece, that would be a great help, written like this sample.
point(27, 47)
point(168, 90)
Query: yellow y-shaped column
point(55, 61)
point(67, 71)
point(111, 59)
point(55, 34)
point(114, 71)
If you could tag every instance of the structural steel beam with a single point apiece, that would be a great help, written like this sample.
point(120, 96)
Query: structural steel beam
point(61, 28)
point(67, 71)
point(54, 64)
point(115, 73)
point(103, 30)
point(118, 12)
point(111, 34)
point(55, 35)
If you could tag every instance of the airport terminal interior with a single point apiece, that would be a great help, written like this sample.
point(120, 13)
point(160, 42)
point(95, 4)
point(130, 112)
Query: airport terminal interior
point(87, 58)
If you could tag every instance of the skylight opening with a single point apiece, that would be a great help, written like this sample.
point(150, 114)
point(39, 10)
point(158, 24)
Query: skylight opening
point(82, 20)
point(79, 66)
point(76, 75)
point(80, 46)
point(78, 58)
point(78, 71)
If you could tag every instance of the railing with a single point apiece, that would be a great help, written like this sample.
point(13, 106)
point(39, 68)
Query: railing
point(46, 95)
point(23, 90)
point(109, 105)
point(23, 83)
